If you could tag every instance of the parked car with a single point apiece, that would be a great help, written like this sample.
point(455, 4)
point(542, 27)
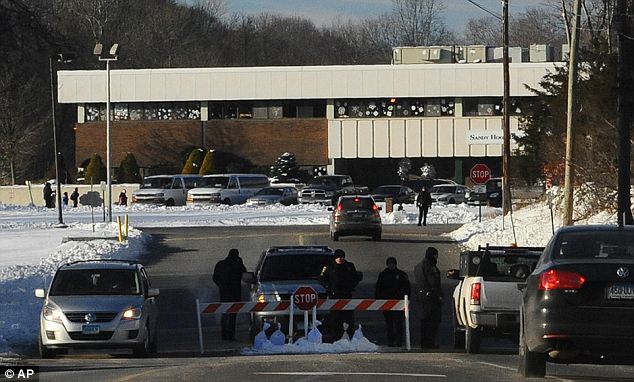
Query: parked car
point(227, 189)
point(417, 184)
point(399, 194)
point(449, 193)
point(323, 188)
point(169, 190)
point(491, 193)
point(99, 304)
point(578, 304)
point(279, 272)
point(272, 195)
point(355, 215)
point(486, 301)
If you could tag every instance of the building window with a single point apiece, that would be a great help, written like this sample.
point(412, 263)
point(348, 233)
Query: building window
point(394, 107)
point(121, 112)
point(267, 109)
point(135, 111)
point(489, 106)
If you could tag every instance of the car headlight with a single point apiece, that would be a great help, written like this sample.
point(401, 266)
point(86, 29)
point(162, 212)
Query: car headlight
point(159, 195)
point(52, 314)
point(443, 199)
point(467, 194)
point(261, 297)
point(132, 314)
point(494, 195)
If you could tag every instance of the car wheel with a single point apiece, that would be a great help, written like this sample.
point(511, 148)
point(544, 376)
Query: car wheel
point(153, 347)
point(472, 340)
point(170, 203)
point(143, 349)
point(45, 351)
point(376, 237)
point(531, 364)
point(334, 236)
point(452, 201)
point(227, 202)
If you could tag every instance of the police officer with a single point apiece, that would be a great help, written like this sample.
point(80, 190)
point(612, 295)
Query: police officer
point(428, 281)
point(228, 277)
point(393, 284)
point(340, 277)
point(423, 202)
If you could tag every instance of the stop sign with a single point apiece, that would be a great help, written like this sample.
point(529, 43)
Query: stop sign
point(480, 173)
point(305, 298)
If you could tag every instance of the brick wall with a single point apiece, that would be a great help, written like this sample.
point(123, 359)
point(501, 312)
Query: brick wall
point(156, 142)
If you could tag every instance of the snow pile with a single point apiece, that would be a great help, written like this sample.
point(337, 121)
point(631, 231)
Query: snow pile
point(311, 344)
point(532, 225)
point(19, 308)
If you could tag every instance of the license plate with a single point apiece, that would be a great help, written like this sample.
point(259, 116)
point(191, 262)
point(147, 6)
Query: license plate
point(90, 329)
point(620, 292)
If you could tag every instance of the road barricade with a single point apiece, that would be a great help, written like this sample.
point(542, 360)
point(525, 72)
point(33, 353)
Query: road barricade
point(285, 307)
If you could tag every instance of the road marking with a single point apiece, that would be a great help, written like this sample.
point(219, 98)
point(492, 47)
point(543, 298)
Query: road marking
point(329, 373)
point(514, 369)
point(240, 236)
point(145, 373)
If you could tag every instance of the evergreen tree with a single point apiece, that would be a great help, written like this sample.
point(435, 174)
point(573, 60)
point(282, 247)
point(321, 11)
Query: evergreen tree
point(128, 171)
point(95, 170)
point(285, 168)
point(194, 161)
point(209, 164)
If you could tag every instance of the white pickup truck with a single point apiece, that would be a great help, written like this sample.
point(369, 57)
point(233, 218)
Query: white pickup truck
point(486, 301)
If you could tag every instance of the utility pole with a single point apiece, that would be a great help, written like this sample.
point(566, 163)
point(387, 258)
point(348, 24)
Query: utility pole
point(506, 104)
point(572, 98)
point(623, 114)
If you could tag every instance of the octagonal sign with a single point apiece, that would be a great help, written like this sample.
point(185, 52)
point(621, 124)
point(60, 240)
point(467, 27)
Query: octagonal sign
point(480, 173)
point(305, 298)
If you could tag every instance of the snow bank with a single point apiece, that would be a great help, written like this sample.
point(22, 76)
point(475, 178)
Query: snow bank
point(532, 225)
point(19, 308)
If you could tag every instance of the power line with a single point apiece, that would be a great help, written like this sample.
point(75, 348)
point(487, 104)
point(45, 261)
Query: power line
point(485, 9)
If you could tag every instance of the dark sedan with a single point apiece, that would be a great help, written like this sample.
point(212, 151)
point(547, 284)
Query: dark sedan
point(399, 194)
point(578, 304)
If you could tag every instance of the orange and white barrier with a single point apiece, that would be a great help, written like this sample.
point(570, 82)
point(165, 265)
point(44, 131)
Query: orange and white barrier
point(285, 307)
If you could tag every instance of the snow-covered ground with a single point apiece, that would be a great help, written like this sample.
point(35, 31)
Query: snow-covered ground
point(31, 248)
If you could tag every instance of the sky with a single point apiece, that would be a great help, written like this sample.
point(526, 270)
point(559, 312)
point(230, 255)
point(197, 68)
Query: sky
point(324, 12)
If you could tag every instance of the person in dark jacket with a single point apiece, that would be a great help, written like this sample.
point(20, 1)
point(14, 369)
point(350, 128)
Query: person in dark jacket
point(74, 197)
point(123, 198)
point(340, 277)
point(65, 199)
point(228, 277)
point(428, 281)
point(392, 284)
point(423, 202)
point(47, 193)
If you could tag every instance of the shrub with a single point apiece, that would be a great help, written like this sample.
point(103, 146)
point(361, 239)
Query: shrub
point(95, 170)
point(195, 159)
point(128, 171)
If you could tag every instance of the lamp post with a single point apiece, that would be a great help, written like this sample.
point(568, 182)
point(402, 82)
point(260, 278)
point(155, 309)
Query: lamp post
point(57, 58)
point(114, 50)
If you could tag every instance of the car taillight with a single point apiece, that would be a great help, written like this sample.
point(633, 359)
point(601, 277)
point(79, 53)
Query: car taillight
point(475, 293)
point(554, 279)
point(339, 207)
point(375, 208)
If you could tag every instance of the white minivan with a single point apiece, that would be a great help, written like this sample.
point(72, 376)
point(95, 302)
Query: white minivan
point(169, 190)
point(227, 188)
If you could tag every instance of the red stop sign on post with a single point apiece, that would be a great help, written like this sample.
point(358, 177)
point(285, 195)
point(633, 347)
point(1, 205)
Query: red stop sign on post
point(480, 173)
point(305, 298)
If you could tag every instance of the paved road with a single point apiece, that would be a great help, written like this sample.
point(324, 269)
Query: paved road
point(181, 261)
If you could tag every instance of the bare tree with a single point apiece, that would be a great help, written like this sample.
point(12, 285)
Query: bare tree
point(420, 22)
point(97, 15)
point(22, 125)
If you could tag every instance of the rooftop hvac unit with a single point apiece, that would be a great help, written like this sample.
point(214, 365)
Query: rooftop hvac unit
point(565, 52)
point(435, 54)
point(476, 53)
point(542, 53)
point(516, 54)
point(432, 109)
point(396, 56)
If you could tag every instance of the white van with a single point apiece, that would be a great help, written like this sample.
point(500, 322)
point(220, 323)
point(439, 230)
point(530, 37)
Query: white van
point(227, 188)
point(169, 190)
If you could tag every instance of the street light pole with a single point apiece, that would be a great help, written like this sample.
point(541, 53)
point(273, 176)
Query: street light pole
point(113, 57)
point(58, 192)
point(506, 104)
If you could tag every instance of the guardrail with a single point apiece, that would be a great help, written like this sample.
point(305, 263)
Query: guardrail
point(285, 307)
